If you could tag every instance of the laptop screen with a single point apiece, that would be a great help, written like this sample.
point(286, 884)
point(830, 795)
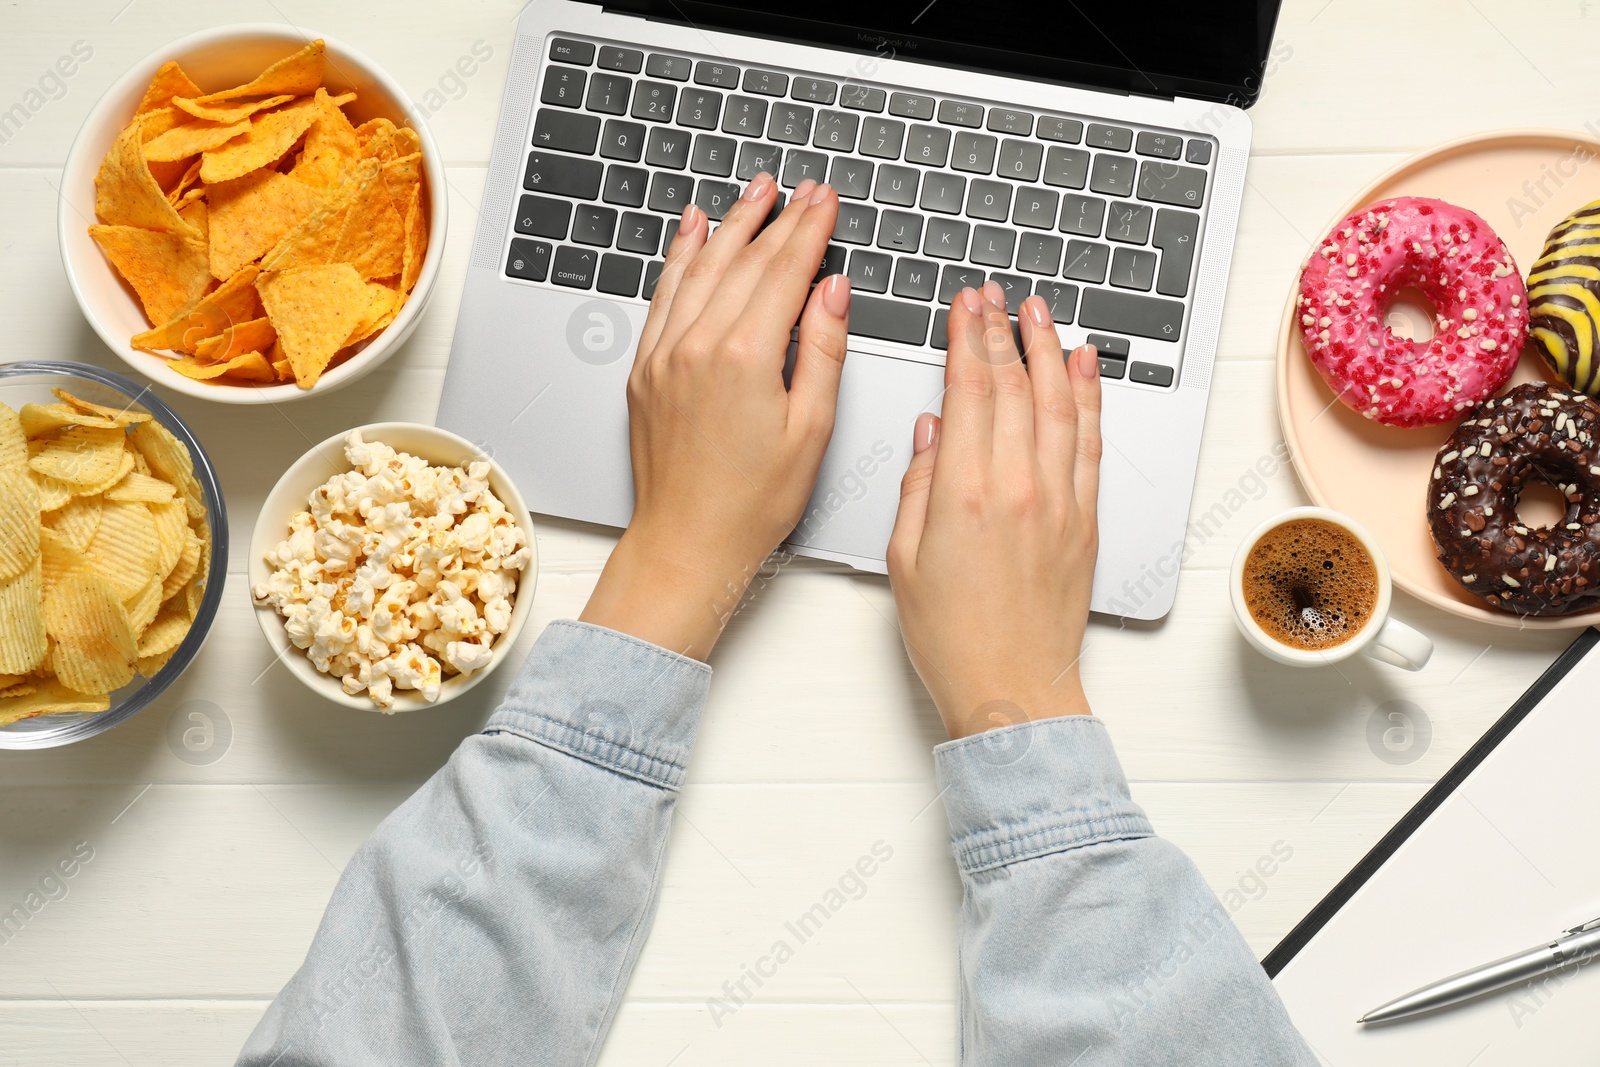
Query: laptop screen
point(1215, 51)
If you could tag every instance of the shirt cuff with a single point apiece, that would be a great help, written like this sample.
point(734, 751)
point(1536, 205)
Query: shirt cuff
point(1032, 789)
point(610, 699)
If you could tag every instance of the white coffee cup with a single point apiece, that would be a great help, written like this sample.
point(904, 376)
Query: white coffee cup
point(1382, 638)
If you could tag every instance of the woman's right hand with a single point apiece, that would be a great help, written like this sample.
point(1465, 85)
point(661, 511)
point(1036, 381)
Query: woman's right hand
point(993, 552)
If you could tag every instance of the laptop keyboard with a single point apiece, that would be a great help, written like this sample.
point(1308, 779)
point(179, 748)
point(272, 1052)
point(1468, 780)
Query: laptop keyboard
point(1100, 219)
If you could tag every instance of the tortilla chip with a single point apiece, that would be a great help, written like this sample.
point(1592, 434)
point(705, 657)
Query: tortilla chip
point(232, 301)
point(250, 367)
point(312, 242)
point(332, 147)
point(186, 188)
point(372, 237)
point(296, 75)
point(250, 215)
point(271, 134)
point(170, 81)
point(191, 139)
point(372, 130)
point(127, 194)
point(416, 247)
point(313, 309)
point(157, 123)
point(159, 266)
point(227, 112)
point(193, 211)
point(380, 302)
point(256, 335)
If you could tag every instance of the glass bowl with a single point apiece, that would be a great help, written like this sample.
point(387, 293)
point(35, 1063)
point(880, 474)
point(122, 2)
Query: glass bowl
point(26, 382)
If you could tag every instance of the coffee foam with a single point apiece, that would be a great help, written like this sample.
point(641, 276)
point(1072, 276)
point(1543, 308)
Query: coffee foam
point(1310, 584)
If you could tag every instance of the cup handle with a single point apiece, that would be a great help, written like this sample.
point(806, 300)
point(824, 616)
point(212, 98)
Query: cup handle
point(1400, 645)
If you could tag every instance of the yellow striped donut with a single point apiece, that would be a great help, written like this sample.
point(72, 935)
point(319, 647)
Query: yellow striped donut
point(1564, 299)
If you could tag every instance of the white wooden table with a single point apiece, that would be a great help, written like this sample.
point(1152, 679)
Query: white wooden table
point(207, 880)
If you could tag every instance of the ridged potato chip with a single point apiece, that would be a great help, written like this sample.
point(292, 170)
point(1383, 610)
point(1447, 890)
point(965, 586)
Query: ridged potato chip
point(94, 644)
point(13, 442)
point(79, 455)
point(149, 666)
point(172, 530)
point(123, 416)
point(22, 633)
point(58, 558)
point(19, 521)
point(124, 549)
point(40, 419)
point(165, 634)
point(143, 607)
point(143, 488)
point(48, 697)
point(52, 494)
point(188, 563)
point(124, 466)
point(76, 521)
point(168, 457)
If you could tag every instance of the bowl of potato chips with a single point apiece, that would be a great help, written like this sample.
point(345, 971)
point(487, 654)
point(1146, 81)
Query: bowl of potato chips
point(251, 214)
point(113, 550)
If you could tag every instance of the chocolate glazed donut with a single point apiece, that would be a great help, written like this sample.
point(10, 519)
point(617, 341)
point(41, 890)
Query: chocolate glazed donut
point(1536, 431)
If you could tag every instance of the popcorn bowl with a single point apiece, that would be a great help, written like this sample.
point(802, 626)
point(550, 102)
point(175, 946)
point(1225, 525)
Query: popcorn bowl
point(290, 495)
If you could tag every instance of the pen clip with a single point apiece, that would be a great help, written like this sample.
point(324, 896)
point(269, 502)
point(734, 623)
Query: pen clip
point(1592, 924)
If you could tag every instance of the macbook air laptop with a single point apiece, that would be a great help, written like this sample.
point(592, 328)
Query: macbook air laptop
point(1088, 151)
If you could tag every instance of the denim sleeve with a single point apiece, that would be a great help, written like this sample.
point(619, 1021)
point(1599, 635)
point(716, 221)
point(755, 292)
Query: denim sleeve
point(495, 916)
point(1084, 938)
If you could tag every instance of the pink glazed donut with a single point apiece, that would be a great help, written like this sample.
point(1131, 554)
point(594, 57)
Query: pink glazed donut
point(1454, 259)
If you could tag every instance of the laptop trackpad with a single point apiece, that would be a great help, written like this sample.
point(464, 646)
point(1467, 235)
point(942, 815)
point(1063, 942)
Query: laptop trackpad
point(858, 489)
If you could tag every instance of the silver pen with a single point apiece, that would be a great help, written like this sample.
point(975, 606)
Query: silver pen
point(1573, 948)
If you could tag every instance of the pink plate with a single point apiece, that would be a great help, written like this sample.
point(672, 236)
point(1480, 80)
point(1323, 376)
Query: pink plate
point(1379, 474)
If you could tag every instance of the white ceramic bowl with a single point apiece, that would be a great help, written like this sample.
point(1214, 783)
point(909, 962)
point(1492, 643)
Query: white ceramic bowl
point(289, 496)
point(216, 59)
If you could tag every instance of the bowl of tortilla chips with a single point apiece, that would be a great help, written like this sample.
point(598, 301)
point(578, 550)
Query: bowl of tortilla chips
point(251, 214)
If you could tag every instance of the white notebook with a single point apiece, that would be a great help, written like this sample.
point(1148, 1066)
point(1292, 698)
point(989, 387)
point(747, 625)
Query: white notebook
point(1501, 855)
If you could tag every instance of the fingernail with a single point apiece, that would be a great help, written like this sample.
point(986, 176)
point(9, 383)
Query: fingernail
point(757, 187)
point(994, 294)
point(971, 300)
point(836, 295)
point(691, 217)
point(820, 193)
point(1037, 311)
point(1088, 361)
point(802, 189)
point(925, 433)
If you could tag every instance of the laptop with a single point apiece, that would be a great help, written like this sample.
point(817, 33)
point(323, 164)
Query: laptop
point(1091, 152)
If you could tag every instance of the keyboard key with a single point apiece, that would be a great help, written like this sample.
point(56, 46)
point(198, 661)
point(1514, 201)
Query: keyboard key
point(993, 246)
point(777, 209)
point(1086, 261)
point(855, 224)
point(673, 68)
point(869, 271)
point(744, 115)
point(755, 158)
point(900, 231)
point(1016, 289)
point(961, 113)
point(699, 108)
point(882, 138)
point(1113, 367)
point(627, 60)
point(668, 233)
point(593, 225)
point(1161, 145)
point(1177, 233)
point(667, 147)
point(974, 152)
point(955, 278)
point(928, 145)
point(851, 178)
point(563, 86)
point(766, 82)
point(625, 186)
point(1106, 345)
point(713, 155)
point(888, 320)
point(801, 165)
point(836, 130)
point(670, 192)
point(832, 263)
point(815, 90)
point(715, 198)
point(1039, 253)
point(1020, 160)
point(1061, 298)
point(574, 267)
point(1133, 268)
point(654, 100)
point(569, 51)
point(909, 106)
point(1168, 183)
point(791, 124)
point(1128, 223)
point(1055, 128)
point(1150, 374)
point(529, 260)
point(1004, 120)
point(863, 98)
point(563, 175)
point(1116, 138)
point(621, 140)
point(565, 131)
point(1036, 208)
point(914, 279)
point(1082, 215)
point(989, 200)
point(541, 216)
point(1198, 152)
point(722, 75)
point(620, 275)
point(940, 338)
point(896, 186)
point(638, 232)
point(1141, 316)
point(945, 239)
point(1113, 175)
point(608, 94)
point(652, 275)
point(942, 192)
point(1067, 167)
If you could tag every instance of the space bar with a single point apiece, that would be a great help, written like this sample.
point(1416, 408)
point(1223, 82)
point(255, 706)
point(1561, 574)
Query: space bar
point(1142, 316)
point(888, 320)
